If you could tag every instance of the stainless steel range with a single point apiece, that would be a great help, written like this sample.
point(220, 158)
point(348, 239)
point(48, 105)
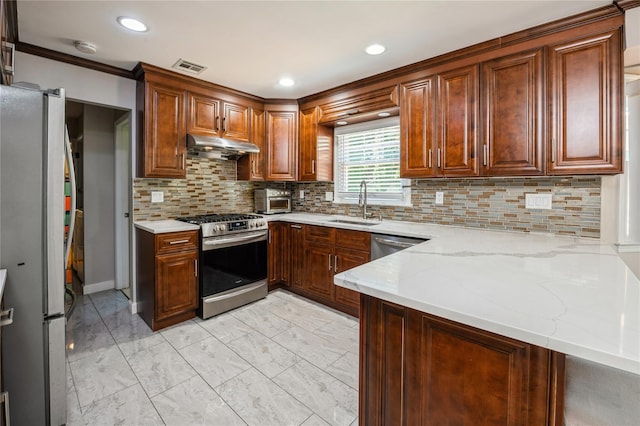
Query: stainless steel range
point(233, 261)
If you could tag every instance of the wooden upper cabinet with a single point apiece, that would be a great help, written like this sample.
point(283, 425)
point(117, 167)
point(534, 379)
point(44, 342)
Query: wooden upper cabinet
point(281, 129)
point(359, 103)
point(513, 118)
point(210, 116)
point(315, 144)
point(586, 105)
point(164, 146)
point(204, 112)
point(235, 121)
point(417, 128)
point(457, 120)
point(252, 166)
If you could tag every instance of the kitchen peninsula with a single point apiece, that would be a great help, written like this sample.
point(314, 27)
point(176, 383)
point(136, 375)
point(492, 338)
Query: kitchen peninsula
point(472, 305)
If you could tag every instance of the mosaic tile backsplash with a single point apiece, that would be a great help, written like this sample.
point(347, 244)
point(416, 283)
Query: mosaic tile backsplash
point(496, 203)
point(210, 187)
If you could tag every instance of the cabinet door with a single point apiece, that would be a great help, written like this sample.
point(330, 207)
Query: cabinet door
point(315, 143)
point(457, 122)
point(461, 375)
point(319, 269)
point(417, 127)
point(165, 136)
point(176, 285)
point(277, 254)
point(344, 260)
point(586, 105)
point(281, 145)
point(203, 115)
point(235, 122)
point(251, 167)
point(513, 118)
point(296, 256)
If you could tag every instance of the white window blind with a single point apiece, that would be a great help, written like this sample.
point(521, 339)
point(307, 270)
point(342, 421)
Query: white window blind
point(370, 152)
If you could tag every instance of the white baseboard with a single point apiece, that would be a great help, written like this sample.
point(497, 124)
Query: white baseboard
point(98, 287)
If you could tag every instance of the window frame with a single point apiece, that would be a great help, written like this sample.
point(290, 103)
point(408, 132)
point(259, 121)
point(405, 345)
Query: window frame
point(373, 198)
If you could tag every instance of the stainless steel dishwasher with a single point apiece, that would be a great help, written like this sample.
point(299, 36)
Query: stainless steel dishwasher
point(383, 245)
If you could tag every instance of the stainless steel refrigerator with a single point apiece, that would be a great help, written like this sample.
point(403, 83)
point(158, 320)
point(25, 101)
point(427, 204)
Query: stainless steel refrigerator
point(32, 203)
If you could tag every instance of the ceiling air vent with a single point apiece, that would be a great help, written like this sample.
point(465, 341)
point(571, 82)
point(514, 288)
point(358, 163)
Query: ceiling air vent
point(189, 67)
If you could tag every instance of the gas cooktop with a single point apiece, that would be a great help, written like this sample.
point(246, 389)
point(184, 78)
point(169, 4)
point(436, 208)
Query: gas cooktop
point(212, 218)
point(215, 225)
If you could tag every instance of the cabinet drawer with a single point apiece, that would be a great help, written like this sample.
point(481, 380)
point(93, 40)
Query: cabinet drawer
point(176, 241)
point(357, 240)
point(320, 234)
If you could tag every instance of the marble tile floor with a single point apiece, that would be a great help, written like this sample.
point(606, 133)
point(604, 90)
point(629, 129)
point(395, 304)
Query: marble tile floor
point(283, 360)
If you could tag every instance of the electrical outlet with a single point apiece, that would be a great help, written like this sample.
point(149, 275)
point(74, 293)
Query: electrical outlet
point(537, 201)
point(157, 196)
point(439, 197)
point(328, 196)
point(301, 194)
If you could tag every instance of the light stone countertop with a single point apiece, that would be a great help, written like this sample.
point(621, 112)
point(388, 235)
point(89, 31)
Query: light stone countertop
point(164, 226)
point(571, 295)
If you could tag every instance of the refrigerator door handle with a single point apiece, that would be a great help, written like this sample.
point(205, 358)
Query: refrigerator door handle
point(4, 400)
point(72, 180)
point(54, 203)
point(9, 317)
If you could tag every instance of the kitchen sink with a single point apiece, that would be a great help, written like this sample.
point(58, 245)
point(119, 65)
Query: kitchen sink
point(355, 222)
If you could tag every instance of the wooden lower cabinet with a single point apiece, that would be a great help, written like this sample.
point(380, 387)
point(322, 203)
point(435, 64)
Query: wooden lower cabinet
point(278, 254)
point(167, 277)
point(304, 258)
point(319, 270)
point(418, 369)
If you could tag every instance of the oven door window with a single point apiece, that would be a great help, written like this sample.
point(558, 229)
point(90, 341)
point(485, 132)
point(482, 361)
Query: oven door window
point(279, 203)
point(230, 267)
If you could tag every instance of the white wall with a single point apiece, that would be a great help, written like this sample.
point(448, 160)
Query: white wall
point(99, 198)
point(86, 86)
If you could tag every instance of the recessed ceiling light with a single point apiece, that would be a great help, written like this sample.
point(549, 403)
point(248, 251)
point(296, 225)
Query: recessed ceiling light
point(286, 82)
point(132, 24)
point(375, 49)
point(340, 123)
point(384, 114)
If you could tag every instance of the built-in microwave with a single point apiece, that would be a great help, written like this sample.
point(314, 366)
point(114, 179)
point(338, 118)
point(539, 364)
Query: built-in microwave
point(271, 201)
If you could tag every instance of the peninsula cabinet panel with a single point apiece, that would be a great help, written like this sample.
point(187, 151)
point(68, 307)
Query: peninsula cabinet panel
point(513, 117)
point(586, 105)
point(417, 129)
point(457, 122)
point(164, 132)
point(315, 143)
point(251, 166)
point(281, 145)
point(417, 369)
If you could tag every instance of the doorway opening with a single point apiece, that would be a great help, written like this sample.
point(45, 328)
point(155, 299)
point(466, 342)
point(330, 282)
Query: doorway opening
point(101, 145)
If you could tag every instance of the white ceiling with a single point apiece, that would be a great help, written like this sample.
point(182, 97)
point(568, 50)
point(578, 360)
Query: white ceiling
point(249, 45)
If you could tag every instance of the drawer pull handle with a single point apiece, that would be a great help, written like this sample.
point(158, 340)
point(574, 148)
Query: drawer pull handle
point(296, 226)
point(330, 262)
point(178, 242)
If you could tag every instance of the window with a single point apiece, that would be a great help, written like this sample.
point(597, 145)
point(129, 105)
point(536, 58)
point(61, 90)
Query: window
point(371, 152)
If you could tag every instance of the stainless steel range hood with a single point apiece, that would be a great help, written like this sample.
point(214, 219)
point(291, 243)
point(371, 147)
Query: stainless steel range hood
point(216, 147)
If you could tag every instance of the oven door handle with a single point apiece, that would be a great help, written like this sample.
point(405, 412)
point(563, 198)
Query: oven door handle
point(235, 240)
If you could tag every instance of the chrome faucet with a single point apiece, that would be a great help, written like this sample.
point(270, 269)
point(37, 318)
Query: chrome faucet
point(362, 199)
